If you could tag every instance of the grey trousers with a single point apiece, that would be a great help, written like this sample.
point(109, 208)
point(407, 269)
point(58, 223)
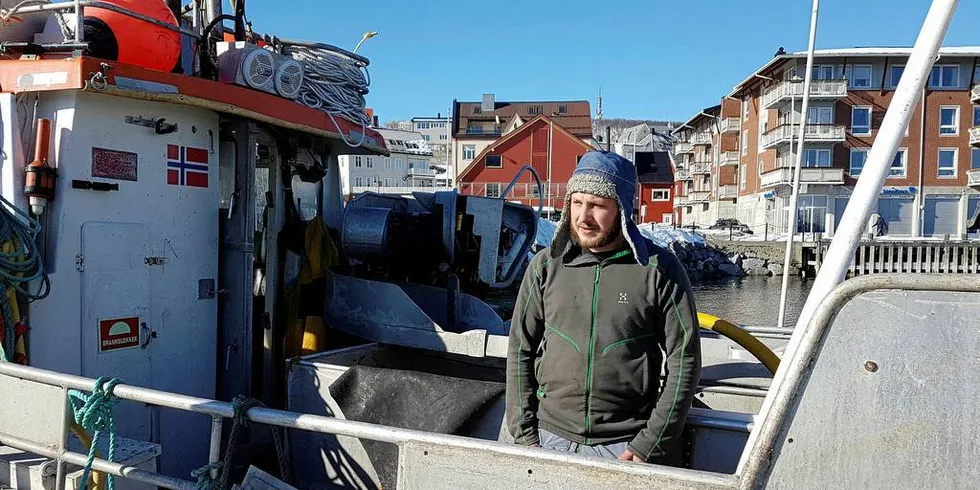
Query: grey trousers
point(559, 443)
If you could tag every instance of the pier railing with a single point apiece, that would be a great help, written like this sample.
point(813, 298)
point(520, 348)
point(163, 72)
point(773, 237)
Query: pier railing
point(876, 257)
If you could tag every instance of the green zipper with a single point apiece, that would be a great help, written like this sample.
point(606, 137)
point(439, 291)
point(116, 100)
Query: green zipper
point(588, 381)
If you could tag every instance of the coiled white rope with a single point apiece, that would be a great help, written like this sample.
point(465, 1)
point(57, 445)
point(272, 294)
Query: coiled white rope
point(333, 83)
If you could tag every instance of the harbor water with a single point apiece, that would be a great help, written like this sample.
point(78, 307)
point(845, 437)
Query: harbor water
point(753, 300)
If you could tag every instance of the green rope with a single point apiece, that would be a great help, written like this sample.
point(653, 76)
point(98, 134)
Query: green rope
point(18, 268)
point(94, 412)
point(240, 405)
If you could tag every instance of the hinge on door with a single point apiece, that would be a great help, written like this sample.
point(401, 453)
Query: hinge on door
point(79, 262)
point(153, 260)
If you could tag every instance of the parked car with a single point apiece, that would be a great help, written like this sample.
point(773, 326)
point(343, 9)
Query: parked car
point(730, 223)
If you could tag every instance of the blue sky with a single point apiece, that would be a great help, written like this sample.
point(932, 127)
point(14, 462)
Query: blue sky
point(653, 59)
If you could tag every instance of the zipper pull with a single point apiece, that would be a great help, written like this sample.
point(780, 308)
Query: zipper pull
point(597, 269)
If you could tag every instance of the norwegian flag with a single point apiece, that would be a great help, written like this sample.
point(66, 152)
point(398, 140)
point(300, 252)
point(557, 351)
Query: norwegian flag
point(187, 166)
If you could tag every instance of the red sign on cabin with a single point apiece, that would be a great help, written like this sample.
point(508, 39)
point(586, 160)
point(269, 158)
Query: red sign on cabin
point(119, 333)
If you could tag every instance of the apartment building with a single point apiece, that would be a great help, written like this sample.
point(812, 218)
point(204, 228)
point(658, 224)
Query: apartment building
point(477, 125)
point(931, 189)
point(406, 170)
point(435, 131)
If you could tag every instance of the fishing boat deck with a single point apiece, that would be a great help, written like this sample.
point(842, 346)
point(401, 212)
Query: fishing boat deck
point(119, 79)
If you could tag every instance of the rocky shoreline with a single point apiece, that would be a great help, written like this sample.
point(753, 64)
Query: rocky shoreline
point(705, 261)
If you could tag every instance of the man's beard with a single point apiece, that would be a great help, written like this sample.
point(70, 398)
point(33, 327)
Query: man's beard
point(600, 241)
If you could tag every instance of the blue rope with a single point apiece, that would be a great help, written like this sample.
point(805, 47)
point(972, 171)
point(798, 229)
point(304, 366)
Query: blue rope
point(94, 412)
point(20, 267)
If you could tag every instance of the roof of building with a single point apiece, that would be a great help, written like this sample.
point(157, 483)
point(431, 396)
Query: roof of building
point(577, 117)
point(525, 128)
point(401, 141)
point(653, 167)
point(707, 112)
point(860, 52)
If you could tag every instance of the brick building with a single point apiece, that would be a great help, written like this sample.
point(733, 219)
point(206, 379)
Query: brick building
point(541, 142)
point(747, 143)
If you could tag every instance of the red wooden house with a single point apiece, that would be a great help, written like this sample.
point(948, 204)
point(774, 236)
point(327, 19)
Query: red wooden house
point(549, 148)
point(656, 189)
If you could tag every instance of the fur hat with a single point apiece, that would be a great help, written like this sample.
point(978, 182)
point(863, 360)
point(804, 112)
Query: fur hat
point(603, 174)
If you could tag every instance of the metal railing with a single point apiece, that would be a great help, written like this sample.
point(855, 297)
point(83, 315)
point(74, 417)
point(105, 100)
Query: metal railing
point(399, 190)
point(821, 175)
point(423, 172)
point(728, 158)
point(975, 136)
point(683, 147)
point(701, 138)
point(521, 190)
point(816, 133)
point(699, 167)
point(819, 89)
point(730, 124)
point(973, 177)
point(682, 174)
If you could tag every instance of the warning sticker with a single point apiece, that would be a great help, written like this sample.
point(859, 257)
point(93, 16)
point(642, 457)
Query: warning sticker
point(119, 333)
point(114, 164)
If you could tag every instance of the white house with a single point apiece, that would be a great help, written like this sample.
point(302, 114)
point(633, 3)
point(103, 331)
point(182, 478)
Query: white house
point(408, 167)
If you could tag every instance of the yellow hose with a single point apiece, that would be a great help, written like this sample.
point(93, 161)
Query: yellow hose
point(97, 478)
point(765, 355)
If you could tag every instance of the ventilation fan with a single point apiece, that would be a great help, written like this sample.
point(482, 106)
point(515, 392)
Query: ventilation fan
point(247, 65)
point(289, 76)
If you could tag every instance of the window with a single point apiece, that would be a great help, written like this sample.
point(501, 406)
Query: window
point(443, 137)
point(370, 162)
point(493, 161)
point(660, 194)
point(477, 110)
point(745, 109)
point(387, 182)
point(358, 161)
point(823, 72)
point(976, 115)
point(811, 214)
point(820, 115)
point(493, 190)
point(899, 164)
point(358, 182)
point(861, 120)
point(896, 75)
point(945, 76)
point(859, 76)
point(947, 163)
point(761, 165)
point(819, 157)
point(745, 142)
point(425, 137)
point(859, 156)
point(949, 120)
point(743, 173)
point(469, 152)
point(975, 158)
point(534, 110)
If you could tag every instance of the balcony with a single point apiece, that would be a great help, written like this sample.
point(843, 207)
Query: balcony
point(815, 133)
point(422, 172)
point(975, 136)
point(701, 138)
point(784, 176)
point(682, 147)
point(730, 125)
point(819, 89)
point(728, 158)
point(975, 94)
point(682, 174)
point(695, 197)
point(973, 178)
point(698, 167)
point(727, 192)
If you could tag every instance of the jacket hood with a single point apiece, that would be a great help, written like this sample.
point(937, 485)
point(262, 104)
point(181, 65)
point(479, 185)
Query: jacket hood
point(609, 175)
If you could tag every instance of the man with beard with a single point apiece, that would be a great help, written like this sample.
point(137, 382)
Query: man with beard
point(597, 313)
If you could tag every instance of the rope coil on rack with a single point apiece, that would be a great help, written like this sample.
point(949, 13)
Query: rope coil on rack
point(20, 264)
point(333, 83)
point(94, 412)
